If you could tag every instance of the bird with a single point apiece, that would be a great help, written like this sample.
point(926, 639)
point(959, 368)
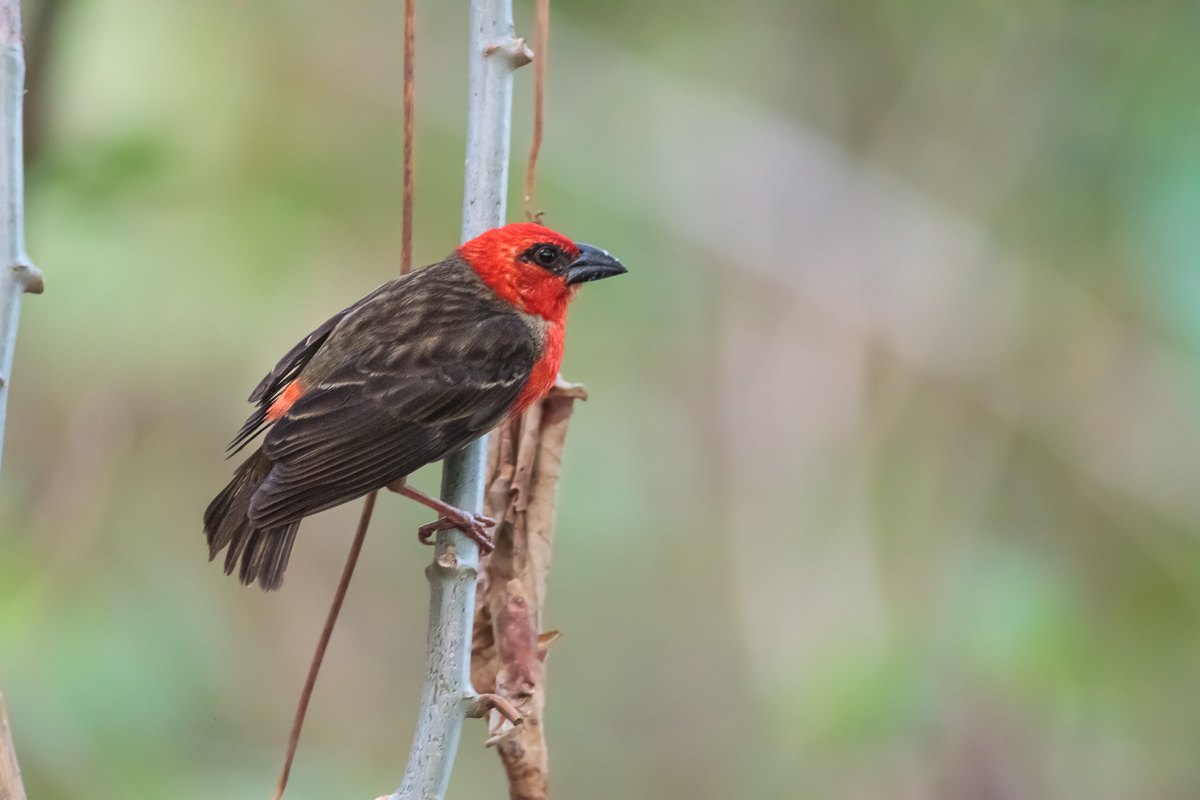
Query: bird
point(418, 368)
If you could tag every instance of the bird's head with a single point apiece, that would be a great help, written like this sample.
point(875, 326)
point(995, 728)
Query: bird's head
point(536, 269)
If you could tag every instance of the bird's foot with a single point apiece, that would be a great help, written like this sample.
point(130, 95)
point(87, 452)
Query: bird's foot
point(473, 525)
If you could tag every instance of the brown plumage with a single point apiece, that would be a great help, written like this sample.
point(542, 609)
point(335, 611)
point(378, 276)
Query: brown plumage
point(420, 367)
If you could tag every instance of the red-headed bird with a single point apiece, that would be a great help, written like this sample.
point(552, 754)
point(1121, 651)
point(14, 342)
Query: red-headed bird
point(415, 370)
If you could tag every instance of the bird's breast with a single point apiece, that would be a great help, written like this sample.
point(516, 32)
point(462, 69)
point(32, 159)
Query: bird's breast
point(545, 369)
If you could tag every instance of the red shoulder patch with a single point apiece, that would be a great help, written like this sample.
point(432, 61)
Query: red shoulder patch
point(290, 395)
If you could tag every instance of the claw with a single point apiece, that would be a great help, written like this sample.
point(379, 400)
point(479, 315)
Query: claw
point(477, 530)
point(474, 525)
point(425, 533)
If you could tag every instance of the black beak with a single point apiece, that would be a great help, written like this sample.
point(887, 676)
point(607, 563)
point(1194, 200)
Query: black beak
point(592, 265)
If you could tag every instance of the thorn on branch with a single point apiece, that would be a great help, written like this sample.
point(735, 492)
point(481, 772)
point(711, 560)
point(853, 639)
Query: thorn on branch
point(516, 50)
point(31, 276)
point(448, 559)
point(544, 641)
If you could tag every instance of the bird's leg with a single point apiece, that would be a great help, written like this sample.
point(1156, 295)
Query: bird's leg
point(474, 525)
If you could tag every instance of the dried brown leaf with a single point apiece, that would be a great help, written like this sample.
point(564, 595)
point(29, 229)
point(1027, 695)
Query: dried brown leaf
point(509, 648)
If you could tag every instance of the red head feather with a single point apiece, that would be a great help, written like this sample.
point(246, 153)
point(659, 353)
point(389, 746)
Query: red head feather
point(496, 256)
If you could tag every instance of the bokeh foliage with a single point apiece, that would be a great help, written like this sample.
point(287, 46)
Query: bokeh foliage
point(965, 599)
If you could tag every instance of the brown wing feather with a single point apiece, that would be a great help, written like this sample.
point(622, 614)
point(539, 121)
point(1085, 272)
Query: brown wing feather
point(404, 381)
point(296, 359)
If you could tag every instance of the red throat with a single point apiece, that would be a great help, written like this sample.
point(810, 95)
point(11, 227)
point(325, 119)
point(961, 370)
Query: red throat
point(495, 256)
point(545, 371)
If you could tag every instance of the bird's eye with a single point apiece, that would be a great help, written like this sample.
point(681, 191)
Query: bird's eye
point(544, 256)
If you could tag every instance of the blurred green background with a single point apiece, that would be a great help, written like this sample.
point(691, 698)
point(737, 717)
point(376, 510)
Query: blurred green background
point(888, 483)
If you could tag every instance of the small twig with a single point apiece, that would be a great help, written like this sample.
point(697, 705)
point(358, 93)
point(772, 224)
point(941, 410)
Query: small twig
point(406, 212)
point(11, 787)
point(541, 47)
point(364, 522)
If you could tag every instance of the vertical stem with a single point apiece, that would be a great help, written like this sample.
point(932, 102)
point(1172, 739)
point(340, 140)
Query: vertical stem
point(447, 691)
point(448, 694)
point(406, 212)
point(364, 521)
point(17, 275)
point(541, 48)
point(406, 215)
point(494, 56)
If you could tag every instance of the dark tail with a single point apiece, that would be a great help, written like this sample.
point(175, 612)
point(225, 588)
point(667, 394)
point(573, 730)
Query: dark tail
point(263, 553)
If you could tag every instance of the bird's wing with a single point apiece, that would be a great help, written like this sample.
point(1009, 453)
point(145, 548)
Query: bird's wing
point(391, 409)
point(271, 386)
